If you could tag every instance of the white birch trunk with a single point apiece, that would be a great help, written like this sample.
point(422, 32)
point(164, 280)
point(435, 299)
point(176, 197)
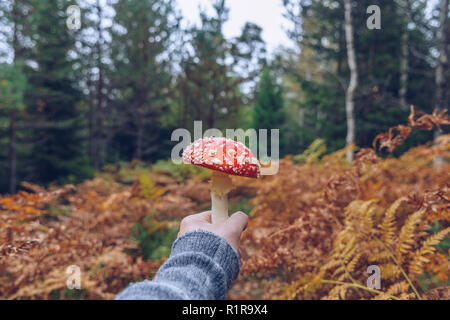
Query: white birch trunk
point(442, 61)
point(349, 96)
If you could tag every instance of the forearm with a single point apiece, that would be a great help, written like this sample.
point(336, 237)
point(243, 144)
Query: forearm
point(202, 265)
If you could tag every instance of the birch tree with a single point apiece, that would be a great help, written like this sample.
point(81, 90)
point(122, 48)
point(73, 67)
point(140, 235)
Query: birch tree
point(349, 95)
point(440, 101)
point(443, 59)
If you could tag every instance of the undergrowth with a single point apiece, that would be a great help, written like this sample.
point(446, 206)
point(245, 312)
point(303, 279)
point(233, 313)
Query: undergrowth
point(314, 229)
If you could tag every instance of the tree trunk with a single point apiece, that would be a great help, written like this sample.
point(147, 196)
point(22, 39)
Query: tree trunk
point(12, 158)
point(142, 109)
point(404, 67)
point(91, 134)
point(99, 108)
point(349, 96)
point(340, 52)
point(442, 61)
point(404, 58)
point(139, 140)
point(212, 110)
point(211, 117)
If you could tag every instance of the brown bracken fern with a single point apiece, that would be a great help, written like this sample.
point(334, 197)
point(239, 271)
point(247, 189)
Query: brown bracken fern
point(318, 226)
point(315, 228)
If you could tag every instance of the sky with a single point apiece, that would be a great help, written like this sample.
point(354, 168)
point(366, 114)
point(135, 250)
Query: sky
point(268, 14)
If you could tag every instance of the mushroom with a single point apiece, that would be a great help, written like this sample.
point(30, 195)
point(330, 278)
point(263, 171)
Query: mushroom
point(225, 157)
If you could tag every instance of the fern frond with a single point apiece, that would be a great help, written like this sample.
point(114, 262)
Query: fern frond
point(342, 292)
point(407, 232)
point(343, 276)
point(330, 265)
point(382, 296)
point(353, 285)
point(390, 271)
point(367, 219)
point(398, 288)
point(292, 290)
point(338, 271)
point(428, 248)
point(378, 256)
point(357, 209)
point(352, 264)
point(349, 250)
point(335, 293)
point(388, 224)
point(407, 296)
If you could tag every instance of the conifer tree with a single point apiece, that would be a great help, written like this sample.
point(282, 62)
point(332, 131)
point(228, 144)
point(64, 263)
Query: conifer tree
point(268, 108)
point(141, 73)
point(52, 96)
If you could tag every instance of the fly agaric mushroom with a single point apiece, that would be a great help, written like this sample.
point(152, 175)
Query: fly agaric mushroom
point(225, 157)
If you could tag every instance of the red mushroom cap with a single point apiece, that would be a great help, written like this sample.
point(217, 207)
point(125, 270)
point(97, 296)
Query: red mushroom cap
point(225, 155)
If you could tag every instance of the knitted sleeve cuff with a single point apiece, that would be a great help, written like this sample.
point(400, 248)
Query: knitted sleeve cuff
point(202, 265)
point(213, 246)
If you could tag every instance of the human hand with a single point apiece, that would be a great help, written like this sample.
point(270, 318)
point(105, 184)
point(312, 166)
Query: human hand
point(231, 229)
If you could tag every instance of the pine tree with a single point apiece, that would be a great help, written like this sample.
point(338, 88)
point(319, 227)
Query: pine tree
point(12, 89)
point(217, 68)
point(93, 54)
point(13, 14)
point(52, 97)
point(141, 73)
point(268, 108)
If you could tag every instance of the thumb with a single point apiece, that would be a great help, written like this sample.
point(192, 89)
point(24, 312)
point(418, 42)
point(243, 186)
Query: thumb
point(237, 222)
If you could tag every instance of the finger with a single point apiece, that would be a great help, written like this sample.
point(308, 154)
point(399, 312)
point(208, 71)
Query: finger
point(202, 217)
point(238, 222)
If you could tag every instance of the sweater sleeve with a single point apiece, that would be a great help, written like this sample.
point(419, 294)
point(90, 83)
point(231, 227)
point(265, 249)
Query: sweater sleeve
point(202, 265)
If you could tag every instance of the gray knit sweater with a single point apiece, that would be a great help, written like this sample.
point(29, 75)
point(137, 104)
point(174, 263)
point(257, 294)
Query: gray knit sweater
point(202, 265)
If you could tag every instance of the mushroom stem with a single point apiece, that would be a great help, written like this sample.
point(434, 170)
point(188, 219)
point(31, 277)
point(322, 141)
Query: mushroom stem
point(221, 184)
point(219, 207)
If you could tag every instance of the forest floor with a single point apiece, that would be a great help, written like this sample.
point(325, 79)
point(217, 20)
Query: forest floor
point(117, 228)
point(314, 230)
